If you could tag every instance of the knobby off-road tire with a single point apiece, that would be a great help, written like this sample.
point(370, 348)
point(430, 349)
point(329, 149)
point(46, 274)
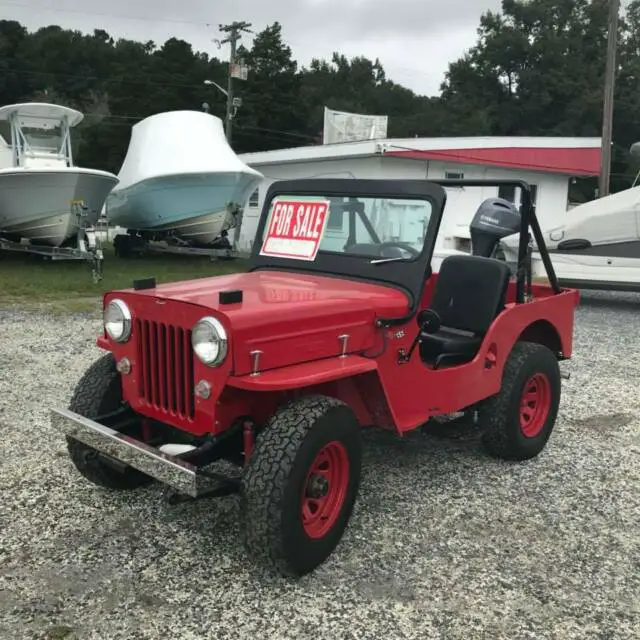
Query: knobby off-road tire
point(97, 393)
point(307, 440)
point(518, 421)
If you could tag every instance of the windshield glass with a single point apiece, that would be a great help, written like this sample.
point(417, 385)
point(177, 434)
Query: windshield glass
point(39, 140)
point(375, 228)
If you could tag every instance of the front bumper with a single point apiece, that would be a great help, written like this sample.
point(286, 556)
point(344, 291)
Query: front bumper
point(170, 470)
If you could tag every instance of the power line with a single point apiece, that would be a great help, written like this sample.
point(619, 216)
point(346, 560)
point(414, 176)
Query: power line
point(280, 132)
point(158, 84)
point(147, 81)
point(107, 79)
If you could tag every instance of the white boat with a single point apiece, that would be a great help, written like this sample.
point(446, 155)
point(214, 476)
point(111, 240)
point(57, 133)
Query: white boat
point(598, 247)
point(180, 178)
point(44, 198)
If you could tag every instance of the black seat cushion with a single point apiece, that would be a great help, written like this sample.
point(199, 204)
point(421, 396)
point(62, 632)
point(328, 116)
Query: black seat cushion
point(448, 341)
point(445, 341)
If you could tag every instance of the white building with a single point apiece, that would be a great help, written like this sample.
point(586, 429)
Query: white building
point(547, 163)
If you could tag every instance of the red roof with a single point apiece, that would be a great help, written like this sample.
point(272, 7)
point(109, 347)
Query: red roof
point(567, 161)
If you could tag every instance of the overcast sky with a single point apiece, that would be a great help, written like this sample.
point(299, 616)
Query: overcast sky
point(414, 39)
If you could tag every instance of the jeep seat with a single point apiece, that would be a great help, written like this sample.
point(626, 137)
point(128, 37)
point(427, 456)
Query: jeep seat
point(469, 294)
point(372, 249)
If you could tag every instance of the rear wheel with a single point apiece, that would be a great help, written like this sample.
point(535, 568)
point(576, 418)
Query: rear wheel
point(98, 393)
point(518, 421)
point(300, 485)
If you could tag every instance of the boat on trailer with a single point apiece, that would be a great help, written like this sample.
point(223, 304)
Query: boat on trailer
point(597, 248)
point(48, 206)
point(181, 186)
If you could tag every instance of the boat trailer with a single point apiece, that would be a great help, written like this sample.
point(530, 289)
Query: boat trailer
point(87, 244)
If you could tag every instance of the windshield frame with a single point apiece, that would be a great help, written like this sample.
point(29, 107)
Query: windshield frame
point(407, 275)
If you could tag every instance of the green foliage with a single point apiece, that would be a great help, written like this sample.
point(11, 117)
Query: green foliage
point(30, 279)
point(536, 69)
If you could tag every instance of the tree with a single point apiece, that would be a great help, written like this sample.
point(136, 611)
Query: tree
point(272, 115)
point(13, 83)
point(538, 69)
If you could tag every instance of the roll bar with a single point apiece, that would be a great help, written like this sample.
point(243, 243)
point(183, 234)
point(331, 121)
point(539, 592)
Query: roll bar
point(528, 220)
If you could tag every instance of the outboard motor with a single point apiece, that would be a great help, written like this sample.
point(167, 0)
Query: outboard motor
point(496, 218)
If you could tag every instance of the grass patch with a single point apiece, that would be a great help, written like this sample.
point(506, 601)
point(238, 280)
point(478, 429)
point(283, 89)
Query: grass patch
point(29, 282)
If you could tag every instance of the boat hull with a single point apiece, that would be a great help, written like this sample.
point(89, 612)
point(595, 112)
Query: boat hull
point(38, 205)
point(194, 206)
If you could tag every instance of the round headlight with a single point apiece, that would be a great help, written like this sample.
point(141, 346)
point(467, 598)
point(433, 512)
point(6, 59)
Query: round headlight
point(209, 341)
point(117, 321)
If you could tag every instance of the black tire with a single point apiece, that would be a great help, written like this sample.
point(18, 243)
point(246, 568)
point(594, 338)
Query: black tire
point(508, 433)
point(123, 245)
point(276, 477)
point(98, 392)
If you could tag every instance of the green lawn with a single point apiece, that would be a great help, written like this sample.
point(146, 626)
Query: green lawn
point(67, 286)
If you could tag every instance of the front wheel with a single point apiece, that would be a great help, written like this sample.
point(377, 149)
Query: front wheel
point(518, 421)
point(98, 392)
point(300, 485)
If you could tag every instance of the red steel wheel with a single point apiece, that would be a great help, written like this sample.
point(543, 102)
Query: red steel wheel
point(325, 489)
point(519, 419)
point(535, 405)
point(300, 484)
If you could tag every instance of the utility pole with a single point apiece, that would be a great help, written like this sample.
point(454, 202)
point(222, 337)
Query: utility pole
point(609, 89)
point(234, 31)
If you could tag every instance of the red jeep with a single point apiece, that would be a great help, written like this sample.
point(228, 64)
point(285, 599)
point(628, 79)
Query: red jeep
point(339, 324)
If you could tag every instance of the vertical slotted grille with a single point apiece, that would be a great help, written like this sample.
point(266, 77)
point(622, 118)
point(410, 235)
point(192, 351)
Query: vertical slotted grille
point(166, 363)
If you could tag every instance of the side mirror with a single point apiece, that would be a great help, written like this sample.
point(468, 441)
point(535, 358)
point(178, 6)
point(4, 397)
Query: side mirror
point(429, 321)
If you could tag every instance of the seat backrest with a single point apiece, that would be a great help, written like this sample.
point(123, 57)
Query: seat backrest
point(372, 249)
point(364, 248)
point(470, 292)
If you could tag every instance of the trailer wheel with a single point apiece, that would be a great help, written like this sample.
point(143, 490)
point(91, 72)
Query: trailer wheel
point(518, 421)
point(123, 245)
point(98, 392)
point(301, 483)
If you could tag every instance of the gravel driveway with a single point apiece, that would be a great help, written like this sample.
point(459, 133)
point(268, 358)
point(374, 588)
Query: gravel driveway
point(444, 543)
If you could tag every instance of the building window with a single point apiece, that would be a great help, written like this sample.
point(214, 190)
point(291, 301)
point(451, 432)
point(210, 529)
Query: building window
point(509, 193)
point(453, 175)
point(254, 199)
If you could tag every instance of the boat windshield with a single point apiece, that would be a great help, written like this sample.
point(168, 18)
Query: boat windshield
point(380, 229)
point(39, 140)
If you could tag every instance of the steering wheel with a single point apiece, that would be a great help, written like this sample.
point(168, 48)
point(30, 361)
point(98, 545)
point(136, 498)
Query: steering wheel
point(405, 246)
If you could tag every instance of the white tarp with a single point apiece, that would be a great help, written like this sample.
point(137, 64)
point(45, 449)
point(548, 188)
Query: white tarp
point(340, 126)
point(179, 143)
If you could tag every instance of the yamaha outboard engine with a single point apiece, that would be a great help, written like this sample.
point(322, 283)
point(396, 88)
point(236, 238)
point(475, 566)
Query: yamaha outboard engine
point(496, 218)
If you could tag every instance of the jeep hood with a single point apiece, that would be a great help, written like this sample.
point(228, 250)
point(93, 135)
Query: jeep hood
point(290, 317)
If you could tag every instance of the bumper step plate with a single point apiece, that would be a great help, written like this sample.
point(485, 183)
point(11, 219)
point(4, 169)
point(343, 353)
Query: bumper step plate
point(178, 474)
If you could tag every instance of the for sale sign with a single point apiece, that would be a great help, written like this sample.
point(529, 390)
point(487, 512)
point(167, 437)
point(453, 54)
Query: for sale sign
point(295, 228)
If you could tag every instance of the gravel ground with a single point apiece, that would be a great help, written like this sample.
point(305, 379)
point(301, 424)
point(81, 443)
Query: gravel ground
point(444, 543)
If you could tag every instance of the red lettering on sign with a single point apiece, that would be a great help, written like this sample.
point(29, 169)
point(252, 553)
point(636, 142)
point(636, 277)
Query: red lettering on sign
point(295, 229)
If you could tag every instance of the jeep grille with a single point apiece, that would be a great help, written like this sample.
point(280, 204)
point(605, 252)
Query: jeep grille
point(166, 361)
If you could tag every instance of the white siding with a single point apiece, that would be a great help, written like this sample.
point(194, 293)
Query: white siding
point(353, 168)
